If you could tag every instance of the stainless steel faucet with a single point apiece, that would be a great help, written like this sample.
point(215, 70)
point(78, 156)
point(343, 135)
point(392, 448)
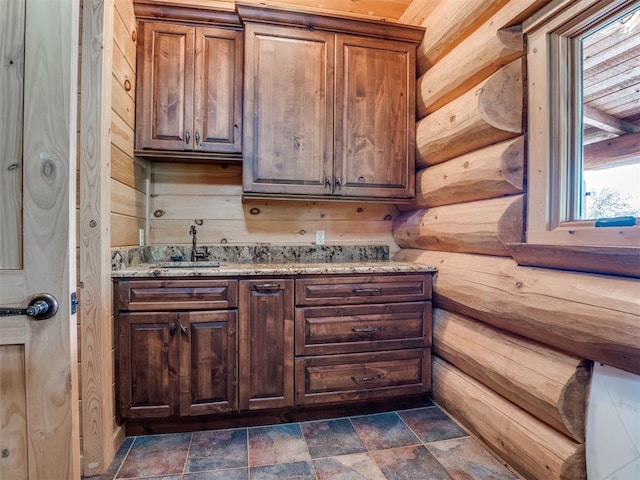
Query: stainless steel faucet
point(195, 253)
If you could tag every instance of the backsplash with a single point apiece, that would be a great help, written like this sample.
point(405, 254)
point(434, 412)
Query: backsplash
point(123, 258)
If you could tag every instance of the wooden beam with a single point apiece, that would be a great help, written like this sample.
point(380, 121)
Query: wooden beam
point(474, 60)
point(542, 381)
point(489, 113)
point(590, 316)
point(607, 122)
point(449, 24)
point(614, 152)
point(532, 448)
point(491, 172)
point(482, 227)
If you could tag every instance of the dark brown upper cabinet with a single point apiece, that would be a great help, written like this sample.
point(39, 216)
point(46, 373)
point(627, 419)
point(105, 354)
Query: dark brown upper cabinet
point(329, 106)
point(189, 94)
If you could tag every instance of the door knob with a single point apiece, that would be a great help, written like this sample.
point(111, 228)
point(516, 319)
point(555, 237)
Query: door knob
point(41, 307)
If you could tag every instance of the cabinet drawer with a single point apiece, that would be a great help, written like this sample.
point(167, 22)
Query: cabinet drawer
point(351, 290)
point(361, 328)
point(150, 295)
point(362, 376)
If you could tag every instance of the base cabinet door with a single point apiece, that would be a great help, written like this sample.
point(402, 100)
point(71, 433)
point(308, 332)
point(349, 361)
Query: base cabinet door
point(266, 343)
point(208, 363)
point(176, 363)
point(148, 360)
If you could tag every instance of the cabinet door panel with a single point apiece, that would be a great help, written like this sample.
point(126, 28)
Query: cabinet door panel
point(218, 90)
point(208, 355)
point(288, 110)
point(164, 116)
point(266, 343)
point(375, 122)
point(149, 364)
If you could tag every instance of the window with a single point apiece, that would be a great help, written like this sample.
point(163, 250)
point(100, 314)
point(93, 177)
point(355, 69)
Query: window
point(583, 68)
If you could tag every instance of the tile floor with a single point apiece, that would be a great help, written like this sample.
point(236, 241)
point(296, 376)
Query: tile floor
point(415, 444)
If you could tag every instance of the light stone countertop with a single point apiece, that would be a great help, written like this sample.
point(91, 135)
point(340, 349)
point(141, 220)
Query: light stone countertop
point(230, 269)
point(259, 260)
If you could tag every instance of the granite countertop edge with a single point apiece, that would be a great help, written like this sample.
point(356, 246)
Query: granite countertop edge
point(226, 269)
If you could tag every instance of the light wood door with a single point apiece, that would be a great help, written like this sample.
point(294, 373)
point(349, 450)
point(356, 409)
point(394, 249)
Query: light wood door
point(375, 117)
point(39, 408)
point(288, 111)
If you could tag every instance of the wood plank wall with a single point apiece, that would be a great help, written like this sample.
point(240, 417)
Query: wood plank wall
point(182, 194)
point(513, 345)
point(111, 208)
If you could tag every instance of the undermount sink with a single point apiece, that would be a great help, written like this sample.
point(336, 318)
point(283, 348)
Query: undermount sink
point(186, 265)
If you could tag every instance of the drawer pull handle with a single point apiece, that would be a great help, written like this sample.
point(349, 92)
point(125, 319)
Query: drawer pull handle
point(377, 376)
point(267, 287)
point(172, 330)
point(367, 330)
point(184, 330)
point(366, 291)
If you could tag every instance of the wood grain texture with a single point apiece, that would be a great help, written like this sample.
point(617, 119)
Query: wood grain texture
point(490, 112)
point(13, 413)
point(282, 232)
point(265, 343)
point(50, 156)
point(449, 24)
point(124, 230)
point(590, 316)
point(182, 193)
point(544, 382)
point(11, 97)
point(491, 172)
point(460, 70)
point(531, 447)
point(484, 227)
point(96, 336)
point(128, 170)
point(495, 43)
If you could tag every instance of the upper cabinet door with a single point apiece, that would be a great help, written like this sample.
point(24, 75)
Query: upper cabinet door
point(217, 103)
point(375, 118)
point(164, 110)
point(288, 110)
point(189, 94)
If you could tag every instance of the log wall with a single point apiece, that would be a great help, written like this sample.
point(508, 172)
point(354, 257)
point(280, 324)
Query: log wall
point(513, 345)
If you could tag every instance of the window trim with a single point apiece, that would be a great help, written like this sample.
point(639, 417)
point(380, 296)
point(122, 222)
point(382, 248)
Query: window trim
point(551, 30)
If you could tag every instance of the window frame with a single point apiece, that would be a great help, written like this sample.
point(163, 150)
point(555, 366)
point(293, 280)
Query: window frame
point(551, 37)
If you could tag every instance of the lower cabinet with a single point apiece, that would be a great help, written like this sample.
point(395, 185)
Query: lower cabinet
point(362, 337)
point(266, 343)
point(176, 363)
point(198, 347)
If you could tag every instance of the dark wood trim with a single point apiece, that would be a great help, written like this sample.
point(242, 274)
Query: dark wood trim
point(624, 261)
point(321, 198)
point(189, 14)
point(189, 156)
point(337, 24)
point(270, 417)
